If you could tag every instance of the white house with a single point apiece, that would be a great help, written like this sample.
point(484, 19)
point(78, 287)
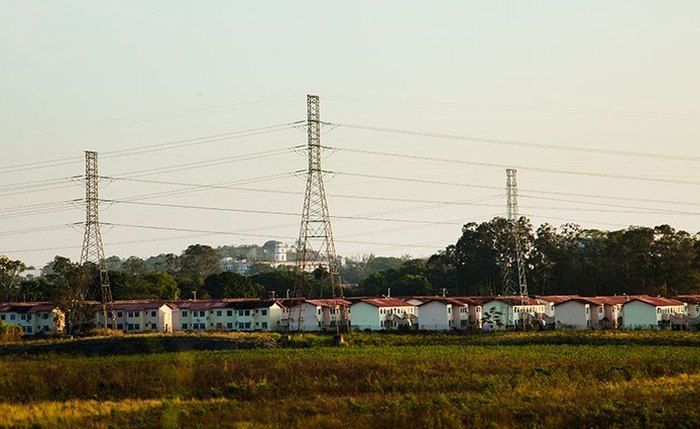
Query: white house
point(317, 314)
point(656, 313)
point(505, 312)
point(577, 313)
point(138, 316)
point(257, 315)
point(34, 317)
point(693, 303)
point(550, 301)
point(443, 314)
point(382, 313)
point(196, 315)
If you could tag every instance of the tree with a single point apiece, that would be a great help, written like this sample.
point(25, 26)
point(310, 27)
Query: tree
point(9, 273)
point(71, 283)
point(196, 264)
point(231, 285)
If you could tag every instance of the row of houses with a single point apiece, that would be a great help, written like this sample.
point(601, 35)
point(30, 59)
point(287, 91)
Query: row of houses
point(431, 313)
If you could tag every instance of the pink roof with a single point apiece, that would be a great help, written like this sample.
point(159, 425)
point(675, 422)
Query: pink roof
point(28, 307)
point(657, 301)
point(454, 301)
point(328, 302)
point(386, 302)
point(558, 298)
point(690, 299)
point(516, 300)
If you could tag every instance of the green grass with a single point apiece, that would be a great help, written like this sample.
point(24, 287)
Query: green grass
point(629, 380)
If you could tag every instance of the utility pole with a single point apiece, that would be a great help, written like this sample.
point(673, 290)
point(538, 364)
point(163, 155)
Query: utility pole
point(93, 250)
point(315, 248)
point(513, 220)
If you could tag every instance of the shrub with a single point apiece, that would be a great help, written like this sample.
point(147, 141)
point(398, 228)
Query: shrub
point(10, 333)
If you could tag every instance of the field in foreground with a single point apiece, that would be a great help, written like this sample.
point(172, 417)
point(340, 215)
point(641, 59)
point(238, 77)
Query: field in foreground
point(378, 382)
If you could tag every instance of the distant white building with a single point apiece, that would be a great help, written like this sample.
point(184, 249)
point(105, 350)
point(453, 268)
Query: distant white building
point(137, 316)
point(34, 317)
point(382, 313)
point(656, 313)
point(317, 314)
point(503, 312)
point(446, 314)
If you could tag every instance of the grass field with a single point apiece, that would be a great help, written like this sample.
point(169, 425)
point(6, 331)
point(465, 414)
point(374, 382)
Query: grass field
point(633, 379)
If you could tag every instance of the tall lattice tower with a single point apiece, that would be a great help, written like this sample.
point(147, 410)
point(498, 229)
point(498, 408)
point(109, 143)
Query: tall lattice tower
point(93, 250)
point(513, 220)
point(316, 247)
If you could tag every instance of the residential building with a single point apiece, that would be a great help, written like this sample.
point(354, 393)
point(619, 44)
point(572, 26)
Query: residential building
point(382, 313)
point(34, 317)
point(506, 312)
point(317, 314)
point(643, 311)
point(443, 314)
point(137, 316)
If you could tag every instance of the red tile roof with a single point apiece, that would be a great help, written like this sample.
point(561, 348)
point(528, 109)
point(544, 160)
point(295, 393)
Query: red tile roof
point(657, 301)
point(386, 302)
point(556, 299)
point(454, 301)
point(516, 300)
point(690, 299)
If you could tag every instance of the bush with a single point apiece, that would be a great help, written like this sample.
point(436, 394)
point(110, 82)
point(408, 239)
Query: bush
point(10, 333)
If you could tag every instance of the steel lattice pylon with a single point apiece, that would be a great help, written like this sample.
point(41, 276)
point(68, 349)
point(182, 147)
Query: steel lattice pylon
point(315, 248)
point(93, 250)
point(514, 221)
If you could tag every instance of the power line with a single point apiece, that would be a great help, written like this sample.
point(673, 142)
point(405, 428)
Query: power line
point(215, 232)
point(80, 126)
point(274, 212)
point(209, 163)
point(539, 169)
point(611, 152)
point(201, 140)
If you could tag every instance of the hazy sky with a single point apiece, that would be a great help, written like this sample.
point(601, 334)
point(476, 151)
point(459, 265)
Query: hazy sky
point(615, 76)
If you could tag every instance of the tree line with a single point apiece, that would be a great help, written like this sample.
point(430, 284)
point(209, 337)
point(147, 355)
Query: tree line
point(565, 260)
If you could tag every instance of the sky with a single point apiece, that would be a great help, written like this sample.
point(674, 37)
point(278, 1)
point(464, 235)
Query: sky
point(196, 110)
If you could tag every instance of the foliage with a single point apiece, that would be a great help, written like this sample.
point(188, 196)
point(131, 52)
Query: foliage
point(9, 271)
point(416, 385)
point(231, 285)
point(9, 333)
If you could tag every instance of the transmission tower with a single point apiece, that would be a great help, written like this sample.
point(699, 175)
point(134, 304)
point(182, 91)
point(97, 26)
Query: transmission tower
point(513, 220)
point(316, 248)
point(93, 251)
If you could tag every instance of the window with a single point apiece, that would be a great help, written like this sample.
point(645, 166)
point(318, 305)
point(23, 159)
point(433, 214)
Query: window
point(201, 314)
point(229, 313)
point(29, 329)
point(264, 312)
point(12, 317)
point(218, 313)
point(2, 317)
point(120, 326)
point(184, 326)
point(247, 325)
point(264, 325)
point(137, 327)
point(153, 314)
point(658, 311)
point(246, 313)
point(184, 313)
point(45, 329)
point(229, 325)
point(119, 314)
point(130, 327)
point(22, 316)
